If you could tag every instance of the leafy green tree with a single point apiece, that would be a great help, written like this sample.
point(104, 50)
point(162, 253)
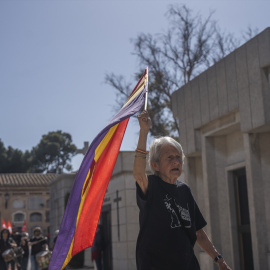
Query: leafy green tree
point(190, 45)
point(13, 160)
point(3, 157)
point(53, 153)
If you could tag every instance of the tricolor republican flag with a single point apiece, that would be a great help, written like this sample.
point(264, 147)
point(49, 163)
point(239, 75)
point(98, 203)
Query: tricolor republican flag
point(82, 213)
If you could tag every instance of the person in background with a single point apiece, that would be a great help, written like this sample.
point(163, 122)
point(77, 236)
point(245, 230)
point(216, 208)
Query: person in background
point(38, 243)
point(97, 248)
point(25, 248)
point(170, 219)
point(16, 235)
point(54, 241)
point(6, 242)
point(55, 238)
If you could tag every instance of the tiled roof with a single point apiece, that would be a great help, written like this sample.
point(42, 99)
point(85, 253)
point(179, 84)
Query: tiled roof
point(26, 179)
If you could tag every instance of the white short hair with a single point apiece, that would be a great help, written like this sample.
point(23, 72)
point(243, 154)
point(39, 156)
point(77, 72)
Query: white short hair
point(155, 149)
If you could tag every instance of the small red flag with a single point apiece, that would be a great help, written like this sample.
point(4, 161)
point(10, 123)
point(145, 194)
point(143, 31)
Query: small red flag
point(9, 227)
point(4, 225)
point(24, 227)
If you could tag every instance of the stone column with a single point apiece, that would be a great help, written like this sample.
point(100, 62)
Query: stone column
point(257, 205)
point(210, 194)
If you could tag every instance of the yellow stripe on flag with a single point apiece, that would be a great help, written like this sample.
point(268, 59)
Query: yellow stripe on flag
point(98, 153)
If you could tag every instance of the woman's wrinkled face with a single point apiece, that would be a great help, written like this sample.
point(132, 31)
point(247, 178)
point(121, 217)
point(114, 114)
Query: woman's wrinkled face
point(169, 167)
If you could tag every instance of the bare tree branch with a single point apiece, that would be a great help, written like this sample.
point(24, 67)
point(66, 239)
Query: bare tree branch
point(190, 45)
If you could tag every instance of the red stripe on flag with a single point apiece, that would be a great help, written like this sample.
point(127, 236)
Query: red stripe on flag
point(88, 221)
point(90, 175)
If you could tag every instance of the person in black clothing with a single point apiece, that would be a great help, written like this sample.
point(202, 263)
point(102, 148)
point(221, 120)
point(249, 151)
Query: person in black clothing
point(25, 248)
point(55, 238)
point(38, 243)
point(16, 236)
point(6, 242)
point(170, 219)
point(97, 248)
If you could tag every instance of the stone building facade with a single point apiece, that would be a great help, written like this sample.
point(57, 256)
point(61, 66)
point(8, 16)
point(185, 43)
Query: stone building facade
point(25, 197)
point(224, 120)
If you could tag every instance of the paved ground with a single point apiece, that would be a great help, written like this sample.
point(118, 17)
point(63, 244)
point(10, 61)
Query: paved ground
point(84, 268)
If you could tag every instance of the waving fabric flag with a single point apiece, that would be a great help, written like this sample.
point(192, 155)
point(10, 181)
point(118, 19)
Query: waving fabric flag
point(4, 225)
point(82, 213)
point(9, 227)
point(24, 227)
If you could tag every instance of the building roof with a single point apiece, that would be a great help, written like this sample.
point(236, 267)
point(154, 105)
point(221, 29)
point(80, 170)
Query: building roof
point(26, 179)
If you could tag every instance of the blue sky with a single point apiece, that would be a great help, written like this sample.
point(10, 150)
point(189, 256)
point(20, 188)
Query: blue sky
point(54, 56)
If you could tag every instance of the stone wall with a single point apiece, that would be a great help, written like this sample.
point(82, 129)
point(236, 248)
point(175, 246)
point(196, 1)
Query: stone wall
point(224, 119)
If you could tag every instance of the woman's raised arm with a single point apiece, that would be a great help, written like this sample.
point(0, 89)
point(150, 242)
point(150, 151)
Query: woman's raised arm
point(139, 167)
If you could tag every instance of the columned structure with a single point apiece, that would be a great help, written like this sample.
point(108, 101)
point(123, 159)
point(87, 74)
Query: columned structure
point(224, 119)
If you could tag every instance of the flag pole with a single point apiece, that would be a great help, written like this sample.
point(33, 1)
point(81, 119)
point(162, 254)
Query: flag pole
point(146, 93)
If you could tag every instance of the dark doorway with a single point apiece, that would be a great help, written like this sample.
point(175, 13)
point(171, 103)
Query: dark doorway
point(105, 221)
point(243, 220)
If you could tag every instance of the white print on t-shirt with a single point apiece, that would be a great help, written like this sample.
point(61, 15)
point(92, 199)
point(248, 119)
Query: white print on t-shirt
point(179, 215)
point(178, 183)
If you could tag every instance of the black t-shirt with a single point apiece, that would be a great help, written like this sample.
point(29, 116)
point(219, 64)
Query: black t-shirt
point(5, 245)
point(169, 219)
point(39, 246)
point(25, 248)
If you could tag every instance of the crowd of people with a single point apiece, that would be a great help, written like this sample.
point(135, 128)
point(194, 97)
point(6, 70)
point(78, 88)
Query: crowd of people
point(19, 251)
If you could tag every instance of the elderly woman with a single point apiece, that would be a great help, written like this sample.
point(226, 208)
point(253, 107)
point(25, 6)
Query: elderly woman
point(170, 220)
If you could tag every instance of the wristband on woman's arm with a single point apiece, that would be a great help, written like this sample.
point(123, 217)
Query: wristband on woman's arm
point(141, 151)
point(219, 256)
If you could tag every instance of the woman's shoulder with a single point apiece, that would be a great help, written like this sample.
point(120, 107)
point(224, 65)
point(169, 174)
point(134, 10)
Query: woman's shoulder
point(153, 179)
point(183, 186)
